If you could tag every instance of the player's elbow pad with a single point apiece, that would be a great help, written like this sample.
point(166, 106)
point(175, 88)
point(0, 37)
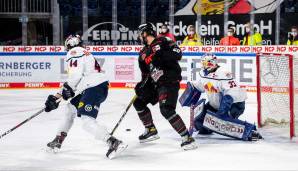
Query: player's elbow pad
point(225, 105)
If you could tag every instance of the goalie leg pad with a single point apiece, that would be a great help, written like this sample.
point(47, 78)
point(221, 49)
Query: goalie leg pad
point(237, 109)
point(200, 113)
point(230, 127)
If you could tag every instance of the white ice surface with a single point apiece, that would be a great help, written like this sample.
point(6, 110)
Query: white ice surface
point(25, 148)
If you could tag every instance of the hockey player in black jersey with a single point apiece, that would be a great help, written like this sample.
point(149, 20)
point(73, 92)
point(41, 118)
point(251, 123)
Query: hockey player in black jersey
point(161, 76)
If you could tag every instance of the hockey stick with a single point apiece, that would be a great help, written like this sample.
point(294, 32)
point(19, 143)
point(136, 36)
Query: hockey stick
point(191, 119)
point(28, 119)
point(33, 116)
point(129, 105)
point(124, 113)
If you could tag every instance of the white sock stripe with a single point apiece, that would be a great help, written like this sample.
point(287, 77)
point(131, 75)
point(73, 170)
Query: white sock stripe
point(170, 118)
point(183, 133)
point(140, 111)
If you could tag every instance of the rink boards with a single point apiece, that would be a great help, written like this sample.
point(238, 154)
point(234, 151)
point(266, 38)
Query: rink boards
point(45, 67)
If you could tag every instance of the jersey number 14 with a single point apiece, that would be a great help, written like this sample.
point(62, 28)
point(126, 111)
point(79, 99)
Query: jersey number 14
point(74, 63)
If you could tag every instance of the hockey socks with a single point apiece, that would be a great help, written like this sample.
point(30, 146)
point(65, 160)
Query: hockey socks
point(178, 124)
point(188, 143)
point(146, 117)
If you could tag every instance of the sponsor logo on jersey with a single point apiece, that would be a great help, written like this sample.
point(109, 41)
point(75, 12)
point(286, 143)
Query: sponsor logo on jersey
point(177, 50)
point(210, 88)
point(81, 104)
point(156, 48)
point(88, 108)
point(223, 127)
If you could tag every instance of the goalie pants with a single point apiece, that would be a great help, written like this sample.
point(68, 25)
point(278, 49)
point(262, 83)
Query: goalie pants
point(235, 111)
point(166, 94)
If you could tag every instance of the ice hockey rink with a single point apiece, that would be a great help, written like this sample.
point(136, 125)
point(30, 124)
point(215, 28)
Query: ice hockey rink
point(25, 148)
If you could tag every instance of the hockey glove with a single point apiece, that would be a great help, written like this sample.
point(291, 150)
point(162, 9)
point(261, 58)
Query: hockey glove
point(225, 105)
point(139, 89)
point(67, 92)
point(51, 103)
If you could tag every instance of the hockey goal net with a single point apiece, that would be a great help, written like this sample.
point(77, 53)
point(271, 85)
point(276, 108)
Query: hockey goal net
point(277, 92)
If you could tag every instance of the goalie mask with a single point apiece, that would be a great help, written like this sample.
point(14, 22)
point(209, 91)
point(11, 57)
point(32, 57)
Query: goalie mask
point(209, 61)
point(72, 41)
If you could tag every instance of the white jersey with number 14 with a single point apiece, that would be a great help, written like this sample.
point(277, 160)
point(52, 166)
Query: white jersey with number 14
point(83, 70)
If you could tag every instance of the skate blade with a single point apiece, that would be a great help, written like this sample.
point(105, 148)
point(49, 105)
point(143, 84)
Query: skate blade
point(191, 146)
point(257, 139)
point(119, 150)
point(152, 138)
point(52, 150)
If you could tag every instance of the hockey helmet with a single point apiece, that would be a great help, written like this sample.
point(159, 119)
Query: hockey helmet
point(148, 28)
point(209, 61)
point(72, 41)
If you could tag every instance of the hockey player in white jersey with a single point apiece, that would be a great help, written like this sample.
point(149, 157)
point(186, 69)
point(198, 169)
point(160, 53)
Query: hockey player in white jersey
point(226, 102)
point(87, 87)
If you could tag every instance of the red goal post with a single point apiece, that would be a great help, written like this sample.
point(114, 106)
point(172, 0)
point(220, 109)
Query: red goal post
point(277, 91)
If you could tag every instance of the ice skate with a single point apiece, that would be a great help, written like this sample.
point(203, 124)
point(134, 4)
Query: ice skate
point(150, 134)
point(188, 143)
point(115, 147)
point(255, 136)
point(55, 145)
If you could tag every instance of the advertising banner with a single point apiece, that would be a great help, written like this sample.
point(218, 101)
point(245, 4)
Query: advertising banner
point(124, 69)
point(47, 69)
point(25, 68)
point(211, 29)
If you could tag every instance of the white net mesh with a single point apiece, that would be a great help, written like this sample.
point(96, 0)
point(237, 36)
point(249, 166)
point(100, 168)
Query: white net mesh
point(275, 91)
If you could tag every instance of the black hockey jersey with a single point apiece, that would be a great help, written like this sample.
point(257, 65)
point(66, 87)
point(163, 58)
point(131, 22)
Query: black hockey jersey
point(162, 54)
